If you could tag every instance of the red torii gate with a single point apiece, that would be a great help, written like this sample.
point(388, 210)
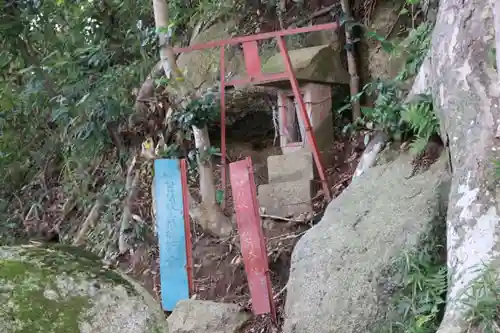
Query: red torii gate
point(254, 70)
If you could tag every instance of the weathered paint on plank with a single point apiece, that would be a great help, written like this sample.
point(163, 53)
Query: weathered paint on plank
point(253, 245)
point(171, 233)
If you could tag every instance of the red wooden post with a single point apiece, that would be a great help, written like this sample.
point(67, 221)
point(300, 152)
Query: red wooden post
point(253, 245)
point(187, 226)
point(252, 59)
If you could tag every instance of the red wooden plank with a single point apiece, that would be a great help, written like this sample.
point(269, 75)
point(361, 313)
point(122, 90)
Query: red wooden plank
point(252, 58)
point(253, 245)
point(187, 226)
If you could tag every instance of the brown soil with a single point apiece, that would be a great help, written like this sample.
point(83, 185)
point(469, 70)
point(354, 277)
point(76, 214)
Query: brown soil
point(218, 268)
point(217, 264)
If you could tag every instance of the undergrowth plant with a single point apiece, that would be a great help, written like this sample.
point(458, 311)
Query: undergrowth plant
point(484, 300)
point(419, 300)
point(397, 118)
point(422, 121)
point(414, 48)
point(391, 113)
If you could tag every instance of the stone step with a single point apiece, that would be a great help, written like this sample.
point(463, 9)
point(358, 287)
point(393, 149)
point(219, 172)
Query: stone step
point(284, 199)
point(293, 166)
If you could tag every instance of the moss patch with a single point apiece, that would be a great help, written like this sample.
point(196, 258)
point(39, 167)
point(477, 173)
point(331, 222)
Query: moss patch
point(70, 260)
point(65, 290)
point(31, 302)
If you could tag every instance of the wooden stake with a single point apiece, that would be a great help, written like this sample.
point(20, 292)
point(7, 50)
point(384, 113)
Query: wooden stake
point(351, 63)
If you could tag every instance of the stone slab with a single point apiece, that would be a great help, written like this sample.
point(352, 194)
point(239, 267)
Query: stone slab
point(286, 199)
point(196, 316)
point(293, 147)
point(322, 63)
point(293, 166)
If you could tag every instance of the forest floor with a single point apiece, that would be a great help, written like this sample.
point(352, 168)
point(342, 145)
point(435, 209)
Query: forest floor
point(218, 269)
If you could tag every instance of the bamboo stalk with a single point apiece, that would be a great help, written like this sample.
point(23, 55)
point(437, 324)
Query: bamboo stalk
point(351, 64)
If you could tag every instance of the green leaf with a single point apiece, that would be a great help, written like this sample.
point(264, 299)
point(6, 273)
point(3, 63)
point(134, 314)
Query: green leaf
point(492, 57)
point(367, 111)
point(164, 30)
point(26, 70)
point(374, 35)
point(387, 46)
point(83, 99)
point(163, 81)
point(219, 195)
point(59, 112)
point(344, 108)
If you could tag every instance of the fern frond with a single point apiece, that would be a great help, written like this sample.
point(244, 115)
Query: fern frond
point(418, 145)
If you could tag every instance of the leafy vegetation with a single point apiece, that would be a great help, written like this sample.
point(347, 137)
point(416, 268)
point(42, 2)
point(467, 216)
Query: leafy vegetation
point(68, 69)
point(420, 297)
point(422, 120)
point(484, 300)
point(414, 49)
point(395, 116)
point(70, 73)
point(391, 113)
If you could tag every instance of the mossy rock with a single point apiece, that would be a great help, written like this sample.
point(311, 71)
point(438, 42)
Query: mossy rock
point(202, 67)
point(66, 290)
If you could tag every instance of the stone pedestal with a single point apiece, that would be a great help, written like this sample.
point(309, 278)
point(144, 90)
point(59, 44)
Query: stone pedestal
point(290, 187)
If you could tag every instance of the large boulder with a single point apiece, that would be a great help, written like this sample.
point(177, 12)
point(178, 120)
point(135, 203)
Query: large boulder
point(381, 64)
point(194, 316)
point(65, 290)
point(202, 67)
point(339, 271)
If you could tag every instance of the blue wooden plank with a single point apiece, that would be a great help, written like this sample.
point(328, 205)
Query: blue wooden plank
point(171, 233)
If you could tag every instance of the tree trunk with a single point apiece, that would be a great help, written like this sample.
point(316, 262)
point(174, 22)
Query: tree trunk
point(466, 94)
point(212, 220)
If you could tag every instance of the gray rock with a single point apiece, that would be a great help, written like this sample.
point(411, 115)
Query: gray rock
point(202, 67)
point(193, 316)
point(53, 290)
point(321, 63)
point(296, 165)
point(339, 268)
point(291, 198)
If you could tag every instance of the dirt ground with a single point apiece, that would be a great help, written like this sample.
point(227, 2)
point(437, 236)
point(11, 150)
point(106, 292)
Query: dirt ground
point(218, 268)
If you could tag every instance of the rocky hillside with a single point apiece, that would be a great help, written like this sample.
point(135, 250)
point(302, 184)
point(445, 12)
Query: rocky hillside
point(86, 107)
